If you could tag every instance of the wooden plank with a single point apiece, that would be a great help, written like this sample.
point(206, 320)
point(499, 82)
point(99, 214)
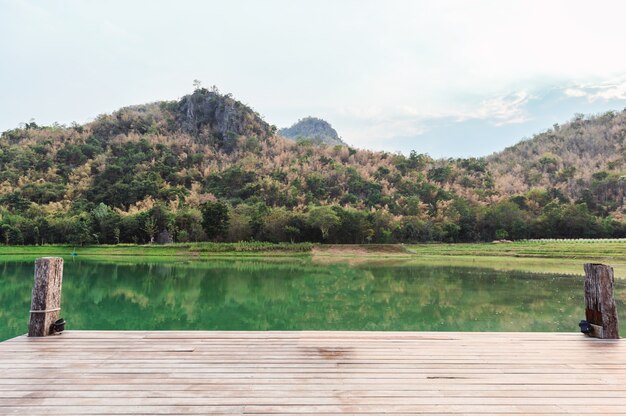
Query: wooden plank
point(183, 372)
point(319, 410)
point(295, 400)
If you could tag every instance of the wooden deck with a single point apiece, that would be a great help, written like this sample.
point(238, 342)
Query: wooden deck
point(128, 372)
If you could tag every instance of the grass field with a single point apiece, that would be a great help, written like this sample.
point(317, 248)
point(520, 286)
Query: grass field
point(545, 256)
point(156, 250)
point(563, 249)
point(572, 249)
point(535, 256)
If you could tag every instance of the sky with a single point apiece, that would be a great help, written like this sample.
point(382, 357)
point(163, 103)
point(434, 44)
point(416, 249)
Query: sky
point(448, 78)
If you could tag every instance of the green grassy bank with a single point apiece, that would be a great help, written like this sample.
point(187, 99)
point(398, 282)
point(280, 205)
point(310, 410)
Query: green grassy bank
point(534, 256)
point(545, 256)
point(587, 249)
point(156, 250)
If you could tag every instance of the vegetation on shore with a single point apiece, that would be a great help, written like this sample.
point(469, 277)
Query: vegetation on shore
point(209, 168)
point(599, 249)
point(183, 250)
point(566, 257)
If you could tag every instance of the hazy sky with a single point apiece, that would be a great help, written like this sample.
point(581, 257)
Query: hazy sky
point(451, 78)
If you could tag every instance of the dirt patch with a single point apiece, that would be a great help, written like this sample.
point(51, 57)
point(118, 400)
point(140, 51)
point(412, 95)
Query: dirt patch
point(360, 250)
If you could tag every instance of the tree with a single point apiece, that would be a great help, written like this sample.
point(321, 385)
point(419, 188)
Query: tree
point(275, 226)
point(324, 218)
point(504, 217)
point(568, 221)
point(106, 224)
point(215, 219)
point(132, 228)
point(440, 174)
point(7, 232)
point(78, 230)
point(188, 225)
point(150, 227)
point(411, 229)
point(163, 218)
point(239, 223)
point(353, 227)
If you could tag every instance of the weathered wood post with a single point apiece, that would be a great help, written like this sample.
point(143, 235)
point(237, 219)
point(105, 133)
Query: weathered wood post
point(45, 306)
point(600, 308)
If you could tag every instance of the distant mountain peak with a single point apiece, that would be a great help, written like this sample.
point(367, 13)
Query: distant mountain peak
point(313, 129)
point(221, 113)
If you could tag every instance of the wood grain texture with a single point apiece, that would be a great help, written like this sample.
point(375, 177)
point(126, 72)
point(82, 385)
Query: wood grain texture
point(305, 373)
point(600, 307)
point(46, 295)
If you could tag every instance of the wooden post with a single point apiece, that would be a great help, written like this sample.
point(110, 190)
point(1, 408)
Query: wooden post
point(600, 308)
point(45, 306)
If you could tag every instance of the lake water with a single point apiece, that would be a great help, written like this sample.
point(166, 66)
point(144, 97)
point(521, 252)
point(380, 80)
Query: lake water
point(298, 294)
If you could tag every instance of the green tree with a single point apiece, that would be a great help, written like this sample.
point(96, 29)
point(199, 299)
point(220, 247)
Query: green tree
point(163, 217)
point(323, 218)
point(239, 227)
point(215, 220)
point(106, 224)
point(150, 227)
point(504, 217)
point(188, 225)
point(78, 230)
point(7, 232)
point(275, 227)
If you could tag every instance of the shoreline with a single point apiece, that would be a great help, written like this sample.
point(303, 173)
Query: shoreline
point(537, 256)
point(523, 249)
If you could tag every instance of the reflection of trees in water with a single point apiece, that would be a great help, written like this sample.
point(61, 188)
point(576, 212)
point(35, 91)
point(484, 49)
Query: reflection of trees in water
point(16, 282)
point(254, 294)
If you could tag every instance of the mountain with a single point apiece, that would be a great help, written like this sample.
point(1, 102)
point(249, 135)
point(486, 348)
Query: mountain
point(207, 116)
point(209, 167)
point(584, 160)
point(313, 129)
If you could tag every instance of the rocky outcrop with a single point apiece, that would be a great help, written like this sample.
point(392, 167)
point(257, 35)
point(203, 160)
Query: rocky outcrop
point(220, 115)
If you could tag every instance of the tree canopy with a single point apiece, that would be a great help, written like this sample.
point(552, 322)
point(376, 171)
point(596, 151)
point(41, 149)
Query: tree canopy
point(207, 167)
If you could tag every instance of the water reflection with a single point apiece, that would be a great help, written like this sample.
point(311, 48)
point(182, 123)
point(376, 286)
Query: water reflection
point(298, 294)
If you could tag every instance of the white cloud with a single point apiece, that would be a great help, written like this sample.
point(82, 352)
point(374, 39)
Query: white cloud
point(611, 90)
point(501, 110)
point(374, 125)
point(574, 92)
point(369, 124)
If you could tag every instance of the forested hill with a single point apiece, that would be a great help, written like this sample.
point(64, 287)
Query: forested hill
point(207, 167)
point(584, 160)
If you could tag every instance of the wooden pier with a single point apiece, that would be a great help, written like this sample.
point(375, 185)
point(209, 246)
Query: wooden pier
point(260, 373)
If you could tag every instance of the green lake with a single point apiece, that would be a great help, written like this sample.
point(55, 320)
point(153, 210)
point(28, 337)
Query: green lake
point(298, 294)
